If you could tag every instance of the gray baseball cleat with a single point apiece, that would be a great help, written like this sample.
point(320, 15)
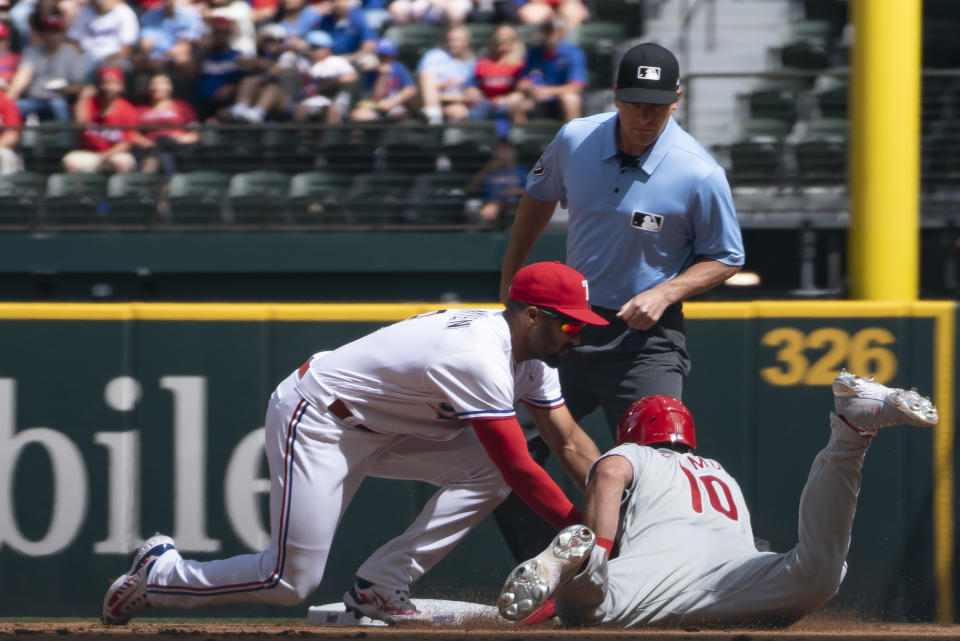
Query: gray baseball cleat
point(866, 405)
point(534, 581)
point(127, 597)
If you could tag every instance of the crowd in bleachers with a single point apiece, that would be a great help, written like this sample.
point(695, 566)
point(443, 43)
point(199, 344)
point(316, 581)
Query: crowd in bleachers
point(137, 76)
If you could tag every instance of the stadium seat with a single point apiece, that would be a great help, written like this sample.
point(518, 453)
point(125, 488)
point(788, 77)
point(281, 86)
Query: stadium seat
point(290, 150)
point(21, 195)
point(259, 197)
point(227, 149)
point(830, 95)
point(439, 198)
point(196, 197)
point(821, 151)
point(347, 157)
point(755, 161)
point(598, 31)
point(377, 198)
point(315, 196)
point(628, 13)
point(468, 148)
point(775, 98)
point(76, 198)
point(480, 33)
point(410, 148)
point(531, 138)
point(43, 148)
point(133, 198)
point(413, 40)
point(763, 127)
point(941, 48)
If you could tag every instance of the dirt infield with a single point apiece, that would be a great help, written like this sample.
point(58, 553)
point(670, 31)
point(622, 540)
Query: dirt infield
point(813, 629)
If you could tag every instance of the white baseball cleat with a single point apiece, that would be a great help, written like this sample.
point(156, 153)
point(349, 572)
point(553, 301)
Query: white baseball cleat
point(383, 604)
point(533, 582)
point(866, 405)
point(127, 597)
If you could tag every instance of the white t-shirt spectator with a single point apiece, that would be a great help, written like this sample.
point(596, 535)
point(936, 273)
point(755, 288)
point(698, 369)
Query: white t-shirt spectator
point(102, 35)
point(245, 36)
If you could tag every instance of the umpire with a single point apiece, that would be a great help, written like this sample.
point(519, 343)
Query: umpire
point(651, 223)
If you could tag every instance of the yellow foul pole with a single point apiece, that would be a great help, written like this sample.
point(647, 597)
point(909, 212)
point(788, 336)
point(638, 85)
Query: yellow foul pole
point(885, 150)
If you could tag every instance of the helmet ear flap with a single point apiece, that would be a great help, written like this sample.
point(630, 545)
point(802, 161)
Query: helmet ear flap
point(657, 419)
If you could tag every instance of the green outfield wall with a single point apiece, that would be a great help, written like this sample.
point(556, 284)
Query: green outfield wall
point(118, 420)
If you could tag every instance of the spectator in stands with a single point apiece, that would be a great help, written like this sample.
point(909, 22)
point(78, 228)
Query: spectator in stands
point(352, 36)
point(555, 77)
point(325, 96)
point(219, 68)
point(500, 183)
point(299, 19)
point(9, 59)
point(445, 77)
point(244, 27)
point(9, 138)
point(106, 31)
point(168, 35)
point(572, 12)
point(322, 96)
point(50, 74)
point(498, 75)
point(157, 147)
point(388, 89)
point(495, 11)
point(273, 65)
point(451, 12)
point(104, 149)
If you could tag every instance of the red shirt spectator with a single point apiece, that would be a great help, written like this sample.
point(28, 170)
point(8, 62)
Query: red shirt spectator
point(497, 78)
point(172, 113)
point(9, 114)
point(9, 60)
point(120, 113)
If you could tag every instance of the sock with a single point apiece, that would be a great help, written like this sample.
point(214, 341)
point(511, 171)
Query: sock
point(434, 115)
point(606, 544)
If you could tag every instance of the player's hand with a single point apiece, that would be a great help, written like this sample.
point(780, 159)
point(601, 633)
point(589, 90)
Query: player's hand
point(644, 310)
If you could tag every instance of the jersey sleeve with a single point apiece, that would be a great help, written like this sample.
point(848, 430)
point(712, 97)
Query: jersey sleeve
point(715, 227)
point(540, 386)
point(545, 180)
point(474, 387)
point(634, 454)
point(403, 74)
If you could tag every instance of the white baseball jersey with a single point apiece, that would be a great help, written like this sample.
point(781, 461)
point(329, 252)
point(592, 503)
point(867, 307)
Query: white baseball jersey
point(430, 375)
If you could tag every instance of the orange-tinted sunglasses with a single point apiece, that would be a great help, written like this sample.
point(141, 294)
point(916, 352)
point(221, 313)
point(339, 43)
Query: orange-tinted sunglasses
point(569, 326)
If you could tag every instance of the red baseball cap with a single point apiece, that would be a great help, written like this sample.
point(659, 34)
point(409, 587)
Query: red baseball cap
point(112, 73)
point(556, 286)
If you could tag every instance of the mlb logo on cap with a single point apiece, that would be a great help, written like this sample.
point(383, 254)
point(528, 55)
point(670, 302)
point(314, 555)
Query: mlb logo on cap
point(648, 73)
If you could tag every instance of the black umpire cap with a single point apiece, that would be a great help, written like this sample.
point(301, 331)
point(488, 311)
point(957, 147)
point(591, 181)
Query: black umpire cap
point(648, 73)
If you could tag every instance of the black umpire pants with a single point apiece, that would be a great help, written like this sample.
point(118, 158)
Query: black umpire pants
point(611, 368)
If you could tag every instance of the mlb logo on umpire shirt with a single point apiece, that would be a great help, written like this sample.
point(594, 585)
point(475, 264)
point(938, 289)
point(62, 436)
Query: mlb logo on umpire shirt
point(648, 73)
point(647, 221)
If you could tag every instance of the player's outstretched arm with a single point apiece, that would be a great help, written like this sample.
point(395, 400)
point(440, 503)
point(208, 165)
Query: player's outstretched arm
point(532, 218)
point(506, 446)
point(610, 478)
point(569, 443)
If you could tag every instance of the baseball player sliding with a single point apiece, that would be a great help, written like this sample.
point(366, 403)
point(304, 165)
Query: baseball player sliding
point(397, 403)
point(669, 539)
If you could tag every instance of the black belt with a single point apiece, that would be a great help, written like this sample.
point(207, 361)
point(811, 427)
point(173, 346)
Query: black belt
point(670, 317)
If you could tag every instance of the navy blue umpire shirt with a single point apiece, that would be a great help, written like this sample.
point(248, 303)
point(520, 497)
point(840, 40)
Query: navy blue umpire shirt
point(632, 228)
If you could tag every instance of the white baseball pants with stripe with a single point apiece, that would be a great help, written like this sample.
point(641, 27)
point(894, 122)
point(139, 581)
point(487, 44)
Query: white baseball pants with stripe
point(316, 465)
point(764, 588)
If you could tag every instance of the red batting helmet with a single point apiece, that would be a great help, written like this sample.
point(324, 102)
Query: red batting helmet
point(657, 419)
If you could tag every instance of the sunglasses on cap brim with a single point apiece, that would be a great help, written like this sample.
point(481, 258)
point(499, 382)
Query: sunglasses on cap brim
point(569, 326)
